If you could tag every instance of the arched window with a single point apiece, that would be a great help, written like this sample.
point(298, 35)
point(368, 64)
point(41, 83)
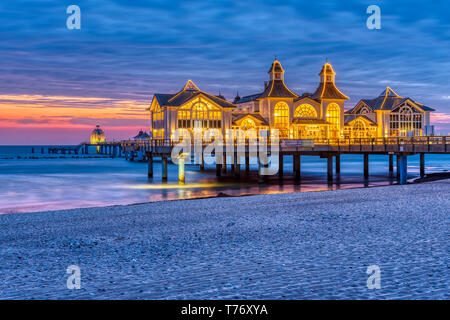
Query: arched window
point(364, 110)
point(334, 114)
point(359, 129)
point(281, 114)
point(199, 113)
point(247, 124)
point(305, 111)
point(406, 121)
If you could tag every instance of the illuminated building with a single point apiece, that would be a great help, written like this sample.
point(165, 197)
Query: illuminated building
point(188, 108)
point(141, 136)
point(319, 115)
point(388, 115)
point(97, 135)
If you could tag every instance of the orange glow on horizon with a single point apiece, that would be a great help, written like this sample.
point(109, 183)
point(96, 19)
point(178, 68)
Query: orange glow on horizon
point(37, 111)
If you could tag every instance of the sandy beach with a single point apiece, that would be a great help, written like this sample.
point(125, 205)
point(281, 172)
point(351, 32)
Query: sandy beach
point(314, 245)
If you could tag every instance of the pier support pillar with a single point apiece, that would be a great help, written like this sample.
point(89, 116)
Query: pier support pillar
point(297, 166)
point(338, 164)
point(398, 167)
point(391, 165)
point(403, 169)
point(181, 178)
point(280, 165)
point(202, 162)
point(164, 168)
point(247, 162)
point(150, 166)
point(422, 165)
point(366, 165)
point(330, 168)
point(237, 164)
point(233, 164)
point(218, 169)
point(224, 165)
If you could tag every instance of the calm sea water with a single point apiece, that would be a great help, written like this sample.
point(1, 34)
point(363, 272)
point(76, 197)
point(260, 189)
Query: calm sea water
point(29, 185)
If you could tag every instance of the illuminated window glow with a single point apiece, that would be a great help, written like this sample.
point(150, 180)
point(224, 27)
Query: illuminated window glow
point(305, 111)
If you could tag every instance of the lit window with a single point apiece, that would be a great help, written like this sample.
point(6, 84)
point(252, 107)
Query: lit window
point(305, 111)
point(334, 114)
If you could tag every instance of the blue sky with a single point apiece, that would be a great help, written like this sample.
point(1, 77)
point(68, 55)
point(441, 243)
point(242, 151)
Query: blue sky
point(128, 50)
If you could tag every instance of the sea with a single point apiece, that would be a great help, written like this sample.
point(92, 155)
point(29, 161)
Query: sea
point(31, 180)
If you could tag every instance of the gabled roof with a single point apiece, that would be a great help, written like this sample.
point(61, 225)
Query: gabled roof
point(257, 116)
point(388, 100)
point(307, 98)
point(350, 117)
point(189, 92)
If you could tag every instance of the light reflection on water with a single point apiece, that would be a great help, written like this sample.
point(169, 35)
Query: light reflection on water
point(52, 184)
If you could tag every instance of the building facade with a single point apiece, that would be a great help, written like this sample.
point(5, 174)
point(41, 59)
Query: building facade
point(319, 115)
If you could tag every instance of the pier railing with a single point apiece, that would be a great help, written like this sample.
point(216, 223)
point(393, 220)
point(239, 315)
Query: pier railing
point(433, 144)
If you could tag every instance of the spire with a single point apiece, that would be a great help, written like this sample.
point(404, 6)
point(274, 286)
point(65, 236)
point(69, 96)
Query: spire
point(237, 98)
point(220, 96)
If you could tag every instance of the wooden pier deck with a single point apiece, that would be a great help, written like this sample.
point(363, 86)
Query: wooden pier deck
point(400, 147)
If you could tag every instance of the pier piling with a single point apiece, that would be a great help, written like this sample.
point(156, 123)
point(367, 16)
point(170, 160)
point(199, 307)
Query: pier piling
point(330, 168)
point(422, 165)
point(247, 162)
point(366, 165)
point(391, 165)
point(403, 169)
point(338, 164)
point(297, 166)
point(150, 166)
point(164, 168)
point(181, 176)
point(280, 165)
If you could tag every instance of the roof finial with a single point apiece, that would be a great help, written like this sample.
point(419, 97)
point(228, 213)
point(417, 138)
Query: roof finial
point(275, 57)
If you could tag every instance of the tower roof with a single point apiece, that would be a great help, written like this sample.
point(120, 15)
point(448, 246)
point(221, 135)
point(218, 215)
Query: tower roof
point(327, 69)
point(276, 87)
point(327, 88)
point(276, 67)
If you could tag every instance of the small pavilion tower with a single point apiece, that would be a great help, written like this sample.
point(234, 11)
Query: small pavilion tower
point(276, 71)
point(97, 135)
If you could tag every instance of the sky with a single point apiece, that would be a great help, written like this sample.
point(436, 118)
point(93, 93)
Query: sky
point(56, 84)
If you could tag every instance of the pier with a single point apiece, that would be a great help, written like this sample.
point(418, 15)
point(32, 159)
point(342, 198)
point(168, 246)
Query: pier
point(330, 149)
